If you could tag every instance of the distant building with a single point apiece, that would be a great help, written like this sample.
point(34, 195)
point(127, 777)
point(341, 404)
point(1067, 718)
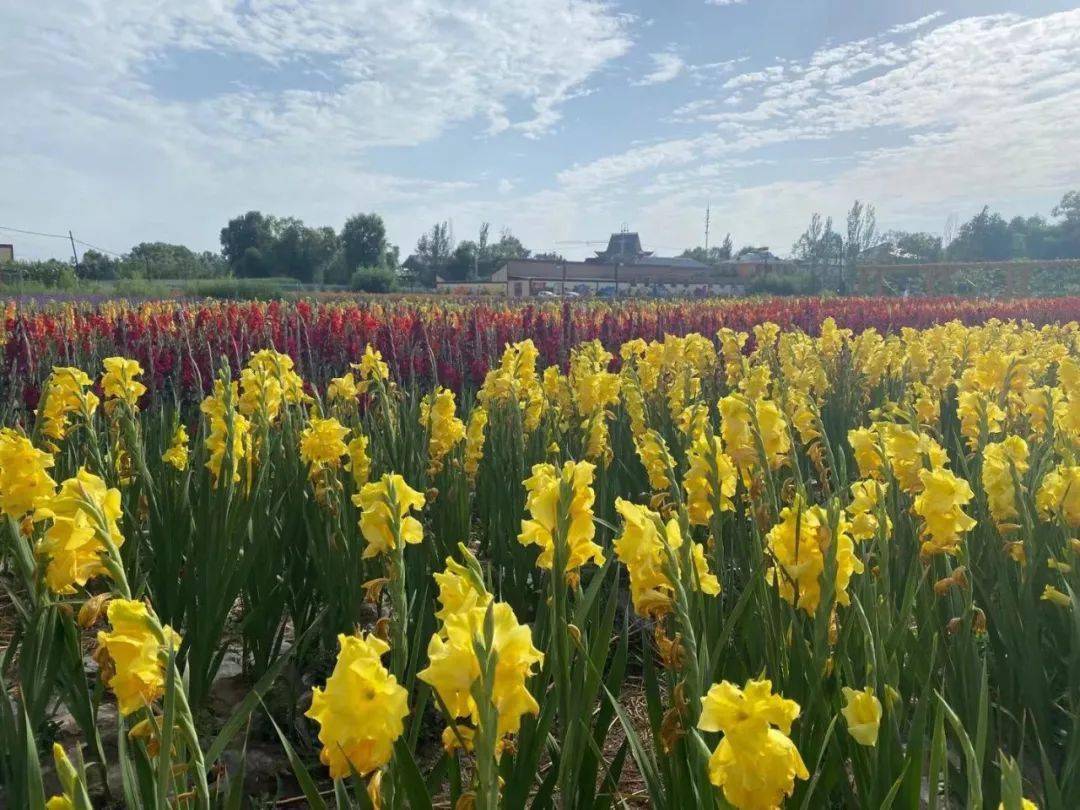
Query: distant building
point(755, 264)
point(521, 278)
point(7, 254)
point(624, 248)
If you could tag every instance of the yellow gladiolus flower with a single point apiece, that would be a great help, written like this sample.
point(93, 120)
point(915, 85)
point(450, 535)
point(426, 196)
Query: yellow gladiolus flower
point(756, 763)
point(643, 548)
point(1059, 493)
point(862, 711)
point(940, 505)
point(72, 544)
point(218, 407)
point(863, 509)
point(371, 368)
point(119, 381)
point(710, 480)
point(799, 544)
point(569, 490)
point(459, 592)
point(474, 441)
point(342, 389)
point(135, 651)
point(384, 518)
point(864, 443)
point(177, 454)
point(454, 667)
point(445, 430)
point(361, 712)
point(322, 444)
point(359, 463)
point(655, 458)
point(65, 393)
point(1000, 460)
point(25, 482)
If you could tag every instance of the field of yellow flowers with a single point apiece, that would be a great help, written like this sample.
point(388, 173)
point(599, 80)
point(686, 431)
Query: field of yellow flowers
point(748, 569)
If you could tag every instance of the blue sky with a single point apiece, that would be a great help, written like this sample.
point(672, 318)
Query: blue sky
point(132, 120)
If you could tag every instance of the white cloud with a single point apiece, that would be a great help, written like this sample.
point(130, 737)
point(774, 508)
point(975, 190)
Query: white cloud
point(915, 25)
point(91, 139)
point(724, 2)
point(976, 110)
point(666, 67)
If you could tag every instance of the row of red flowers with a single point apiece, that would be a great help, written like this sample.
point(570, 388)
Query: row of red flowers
point(181, 345)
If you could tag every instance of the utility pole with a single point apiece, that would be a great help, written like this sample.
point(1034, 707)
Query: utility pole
point(707, 211)
point(74, 254)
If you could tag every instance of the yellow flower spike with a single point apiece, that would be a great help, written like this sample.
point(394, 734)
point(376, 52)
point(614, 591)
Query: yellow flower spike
point(119, 382)
point(65, 394)
point(454, 667)
point(1059, 494)
point(863, 510)
point(545, 490)
point(177, 454)
point(756, 763)
point(642, 546)
point(359, 463)
point(1000, 461)
point(381, 525)
point(862, 711)
point(460, 590)
point(361, 711)
point(655, 458)
point(372, 369)
point(1056, 597)
point(445, 430)
point(25, 482)
point(710, 478)
point(71, 545)
point(322, 445)
point(474, 441)
point(940, 505)
point(136, 654)
point(799, 544)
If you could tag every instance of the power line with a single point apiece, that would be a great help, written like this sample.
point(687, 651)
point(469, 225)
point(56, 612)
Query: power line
point(100, 249)
point(34, 233)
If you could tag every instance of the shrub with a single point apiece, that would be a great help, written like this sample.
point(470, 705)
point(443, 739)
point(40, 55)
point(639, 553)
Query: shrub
point(374, 280)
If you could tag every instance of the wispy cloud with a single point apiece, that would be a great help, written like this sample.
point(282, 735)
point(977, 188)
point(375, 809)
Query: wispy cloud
point(666, 66)
point(978, 109)
point(915, 25)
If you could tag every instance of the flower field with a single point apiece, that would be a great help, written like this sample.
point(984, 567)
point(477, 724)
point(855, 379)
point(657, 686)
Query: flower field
point(750, 554)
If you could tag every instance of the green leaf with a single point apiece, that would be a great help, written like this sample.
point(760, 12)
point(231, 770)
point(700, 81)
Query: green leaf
point(409, 777)
point(307, 784)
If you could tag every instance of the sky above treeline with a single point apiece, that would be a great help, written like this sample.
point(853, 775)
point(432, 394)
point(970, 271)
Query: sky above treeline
point(562, 120)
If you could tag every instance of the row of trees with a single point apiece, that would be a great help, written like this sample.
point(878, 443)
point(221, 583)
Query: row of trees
point(257, 245)
point(437, 254)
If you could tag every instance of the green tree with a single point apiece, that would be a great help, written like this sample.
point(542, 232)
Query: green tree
point(97, 266)
point(363, 239)
point(433, 251)
point(985, 237)
point(861, 236)
point(247, 242)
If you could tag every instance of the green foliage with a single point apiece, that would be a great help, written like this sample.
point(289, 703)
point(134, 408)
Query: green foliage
point(373, 280)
